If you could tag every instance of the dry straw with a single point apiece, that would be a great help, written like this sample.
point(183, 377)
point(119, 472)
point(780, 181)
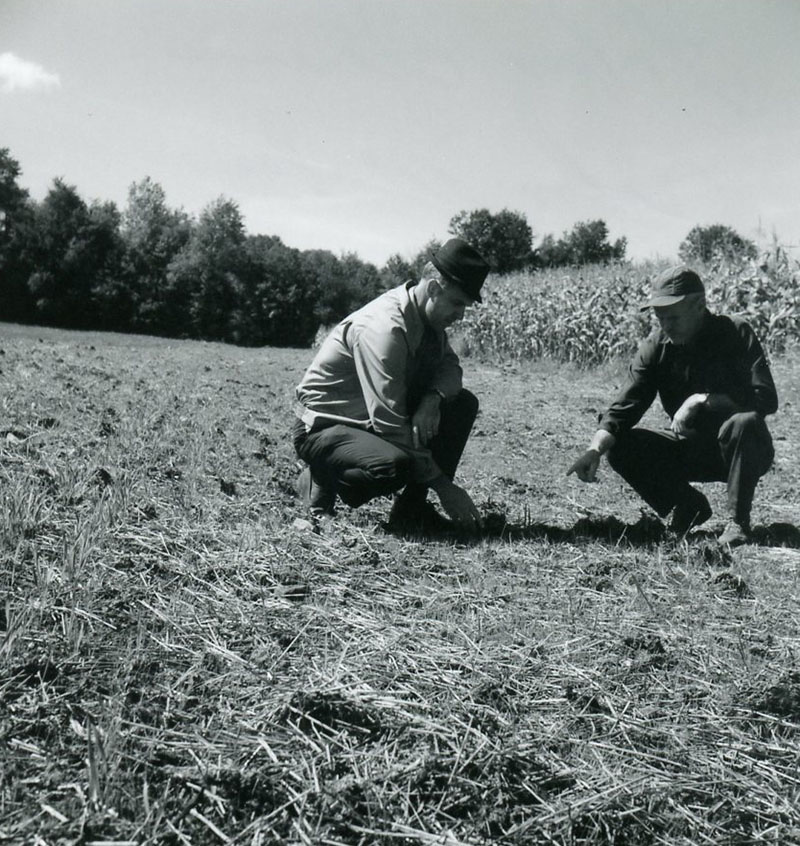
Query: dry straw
point(179, 664)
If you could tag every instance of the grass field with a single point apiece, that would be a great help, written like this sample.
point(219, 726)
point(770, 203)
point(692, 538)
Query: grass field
point(181, 662)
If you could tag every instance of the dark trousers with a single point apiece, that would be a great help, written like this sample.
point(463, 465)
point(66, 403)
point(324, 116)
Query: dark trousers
point(659, 465)
point(359, 465)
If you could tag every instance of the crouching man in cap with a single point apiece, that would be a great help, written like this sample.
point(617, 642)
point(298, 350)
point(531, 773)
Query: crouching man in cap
point(714, 382)
point(382, 409)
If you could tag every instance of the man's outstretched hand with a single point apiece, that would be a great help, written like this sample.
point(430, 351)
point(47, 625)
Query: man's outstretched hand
point(458, 505)
point(585, 468)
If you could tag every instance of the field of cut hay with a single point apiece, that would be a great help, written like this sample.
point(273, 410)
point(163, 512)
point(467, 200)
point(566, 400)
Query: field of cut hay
point(182, 662)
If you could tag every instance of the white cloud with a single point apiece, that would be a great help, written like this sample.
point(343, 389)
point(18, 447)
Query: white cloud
point(16, 73)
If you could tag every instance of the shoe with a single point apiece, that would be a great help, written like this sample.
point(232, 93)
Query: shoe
point(689, 513)
point(734, 534)
point(418, 518)
point(318, 501)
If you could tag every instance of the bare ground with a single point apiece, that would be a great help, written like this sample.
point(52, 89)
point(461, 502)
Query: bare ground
point(181, 662)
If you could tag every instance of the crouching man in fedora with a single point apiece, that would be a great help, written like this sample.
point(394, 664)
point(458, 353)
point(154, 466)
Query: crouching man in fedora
point(714, 382)
point(382, 409)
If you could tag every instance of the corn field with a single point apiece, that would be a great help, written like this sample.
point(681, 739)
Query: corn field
point(591, 314)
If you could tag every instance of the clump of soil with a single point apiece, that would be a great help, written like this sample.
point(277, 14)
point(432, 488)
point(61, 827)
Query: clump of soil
point(781, 699)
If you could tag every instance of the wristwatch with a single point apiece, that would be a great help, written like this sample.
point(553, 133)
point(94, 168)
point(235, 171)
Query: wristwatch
point(438, 392)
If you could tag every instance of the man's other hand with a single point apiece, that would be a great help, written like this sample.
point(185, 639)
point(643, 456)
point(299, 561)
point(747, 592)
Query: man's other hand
point(585, 468)
point(459, 506)
point(425, 421)
point(684, 418)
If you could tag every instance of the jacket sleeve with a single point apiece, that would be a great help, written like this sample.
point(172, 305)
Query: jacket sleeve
point(381, 362)
point(637, 396)
point(762, 396)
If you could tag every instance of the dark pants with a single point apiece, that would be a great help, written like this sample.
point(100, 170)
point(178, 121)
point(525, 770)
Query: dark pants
point(359, 465)
point(659, 465)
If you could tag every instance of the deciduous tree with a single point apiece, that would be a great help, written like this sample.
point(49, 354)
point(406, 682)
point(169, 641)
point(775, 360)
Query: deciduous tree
point(503, 239)
point(343, 284)
point(153, 234)
point(277, 305)
point(111, 297)
point(587, 243)
point(75, 249)
point(204, 279)
point(16, 217)
point(704, 243)
point(396, 271)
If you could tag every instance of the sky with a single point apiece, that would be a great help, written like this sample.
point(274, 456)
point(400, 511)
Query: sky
point(365, 125)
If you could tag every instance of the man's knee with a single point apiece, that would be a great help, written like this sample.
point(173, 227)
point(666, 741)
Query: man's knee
point(748, 431)
point(399, 467)
point(743, 424)
point(624, 450)
point(385, 472)
point(378, 477)
point(461, 409)
point(467, 402)
point(616, 456)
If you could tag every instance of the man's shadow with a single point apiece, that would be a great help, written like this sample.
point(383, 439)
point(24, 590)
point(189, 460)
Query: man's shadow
point(774, 534)
point(646, 531)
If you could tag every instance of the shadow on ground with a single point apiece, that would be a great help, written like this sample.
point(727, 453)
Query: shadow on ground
point(646, 531)
point(774, 534)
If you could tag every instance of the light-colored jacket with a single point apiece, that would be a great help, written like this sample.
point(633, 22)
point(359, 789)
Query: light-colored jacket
point(362, 373)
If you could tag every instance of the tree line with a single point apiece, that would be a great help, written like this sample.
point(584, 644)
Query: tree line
point(152, 269)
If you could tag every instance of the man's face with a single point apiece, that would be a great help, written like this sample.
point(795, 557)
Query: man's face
point(681, 321)
point(446, 305)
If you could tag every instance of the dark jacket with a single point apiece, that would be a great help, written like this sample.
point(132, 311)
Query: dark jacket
point(725, 358)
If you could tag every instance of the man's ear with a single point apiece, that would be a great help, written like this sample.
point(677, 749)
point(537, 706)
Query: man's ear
point(435, 287)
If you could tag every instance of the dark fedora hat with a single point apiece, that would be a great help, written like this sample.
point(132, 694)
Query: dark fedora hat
point(462, 265)
point(672, 285)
